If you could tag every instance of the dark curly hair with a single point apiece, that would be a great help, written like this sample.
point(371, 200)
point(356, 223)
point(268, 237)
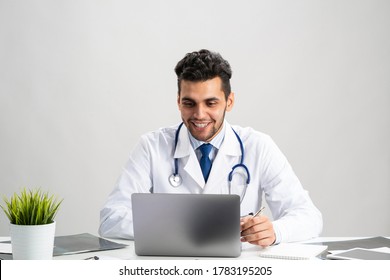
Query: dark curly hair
point(202, 66)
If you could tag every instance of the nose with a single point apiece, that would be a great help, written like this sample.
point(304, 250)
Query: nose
point(200, 112)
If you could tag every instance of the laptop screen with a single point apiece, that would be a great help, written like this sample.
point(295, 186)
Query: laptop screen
point(186, 224)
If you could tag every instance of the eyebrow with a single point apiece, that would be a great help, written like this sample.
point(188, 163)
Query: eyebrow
point(206, 100)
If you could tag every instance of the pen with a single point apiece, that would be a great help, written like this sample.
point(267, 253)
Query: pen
point(259, 212)
point(92, 258)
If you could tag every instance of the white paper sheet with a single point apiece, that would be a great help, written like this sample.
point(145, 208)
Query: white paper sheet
point(6, 248)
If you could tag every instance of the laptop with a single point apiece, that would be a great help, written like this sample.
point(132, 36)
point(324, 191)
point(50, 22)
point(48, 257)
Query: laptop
point(191, 225)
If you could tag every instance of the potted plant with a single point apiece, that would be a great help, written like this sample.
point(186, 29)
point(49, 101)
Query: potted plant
point(32, 226)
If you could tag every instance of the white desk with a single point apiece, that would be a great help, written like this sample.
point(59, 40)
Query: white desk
point(249, 252)
point(47, 270)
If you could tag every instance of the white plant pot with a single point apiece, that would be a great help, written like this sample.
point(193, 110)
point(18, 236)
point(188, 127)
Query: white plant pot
point(35, 242)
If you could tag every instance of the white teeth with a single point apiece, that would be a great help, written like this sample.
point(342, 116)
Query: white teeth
point(200, 125)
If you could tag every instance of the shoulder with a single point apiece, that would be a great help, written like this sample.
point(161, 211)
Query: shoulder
point(256, 141)
point(260, 144)
point(250, 134)
point(163, 134)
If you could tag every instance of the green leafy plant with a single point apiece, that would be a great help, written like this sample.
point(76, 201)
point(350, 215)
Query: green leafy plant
point(31, 207)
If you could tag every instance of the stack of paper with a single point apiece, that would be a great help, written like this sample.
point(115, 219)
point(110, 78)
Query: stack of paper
point(292, 251)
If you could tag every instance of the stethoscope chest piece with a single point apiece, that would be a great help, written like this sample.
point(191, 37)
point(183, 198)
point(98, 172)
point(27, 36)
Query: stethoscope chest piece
point(175, 180)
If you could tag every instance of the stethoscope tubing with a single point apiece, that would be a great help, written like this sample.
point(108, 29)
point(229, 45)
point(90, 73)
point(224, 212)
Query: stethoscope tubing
point(176, 140)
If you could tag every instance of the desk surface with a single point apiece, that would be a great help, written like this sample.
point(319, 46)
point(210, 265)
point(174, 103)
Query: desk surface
point(248, 251)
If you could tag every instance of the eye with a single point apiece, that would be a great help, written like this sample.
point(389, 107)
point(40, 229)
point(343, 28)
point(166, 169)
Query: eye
point(187, 103)
point(212, 103)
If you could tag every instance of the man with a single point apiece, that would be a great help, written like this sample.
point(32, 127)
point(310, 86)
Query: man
point(204, 96)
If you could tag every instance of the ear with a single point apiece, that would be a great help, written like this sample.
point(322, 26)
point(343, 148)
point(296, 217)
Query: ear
point(230, 102)
point(178, 101)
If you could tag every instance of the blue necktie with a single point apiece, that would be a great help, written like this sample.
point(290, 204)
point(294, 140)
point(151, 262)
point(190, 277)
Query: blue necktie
point(205, 162)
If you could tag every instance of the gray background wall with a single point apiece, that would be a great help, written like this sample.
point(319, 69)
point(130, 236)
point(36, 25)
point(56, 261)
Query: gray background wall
point(80, 81)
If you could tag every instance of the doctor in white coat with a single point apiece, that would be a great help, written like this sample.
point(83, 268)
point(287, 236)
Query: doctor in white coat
point(204, 96)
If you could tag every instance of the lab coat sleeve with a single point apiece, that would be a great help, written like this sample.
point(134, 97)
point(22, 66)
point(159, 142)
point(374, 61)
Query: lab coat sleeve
point(295, 216)
point(116, 219)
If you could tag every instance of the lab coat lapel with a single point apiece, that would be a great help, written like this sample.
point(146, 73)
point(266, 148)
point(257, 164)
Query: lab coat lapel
point(230, 145)
point(184, 149)
point(227, 156)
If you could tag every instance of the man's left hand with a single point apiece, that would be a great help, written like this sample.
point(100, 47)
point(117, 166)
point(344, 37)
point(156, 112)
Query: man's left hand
point(257, 230)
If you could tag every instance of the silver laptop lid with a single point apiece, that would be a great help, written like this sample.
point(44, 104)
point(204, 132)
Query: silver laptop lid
point(186, 224)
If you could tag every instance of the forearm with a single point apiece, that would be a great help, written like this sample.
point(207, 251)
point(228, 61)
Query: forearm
point(116, 223)
point(298, 226)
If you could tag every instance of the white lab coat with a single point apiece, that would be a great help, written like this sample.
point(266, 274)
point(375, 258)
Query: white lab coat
point(152, 162)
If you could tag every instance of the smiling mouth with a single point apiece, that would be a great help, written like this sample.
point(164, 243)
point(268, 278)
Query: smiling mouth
point(200, 125)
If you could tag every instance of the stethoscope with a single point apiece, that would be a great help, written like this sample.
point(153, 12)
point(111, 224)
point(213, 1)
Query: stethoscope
point(176, 180)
